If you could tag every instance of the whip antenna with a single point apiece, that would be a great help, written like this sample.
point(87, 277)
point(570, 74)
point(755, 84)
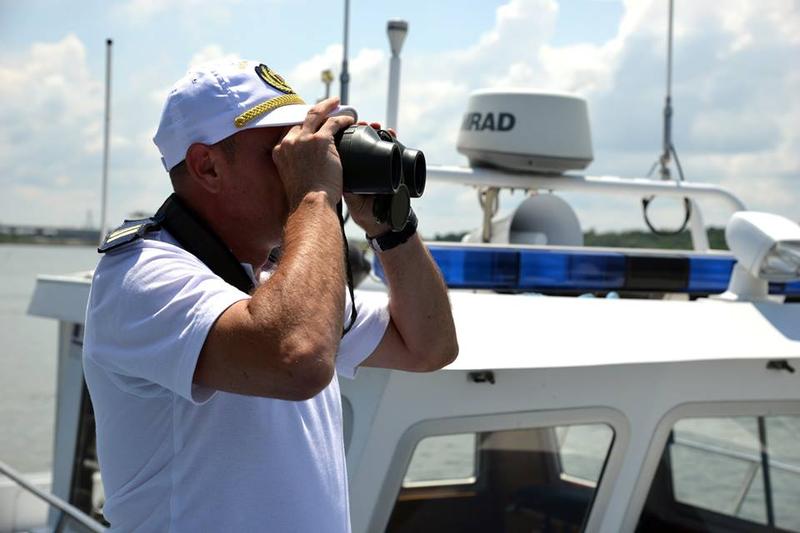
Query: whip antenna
point(668, 148)
point(667, 140)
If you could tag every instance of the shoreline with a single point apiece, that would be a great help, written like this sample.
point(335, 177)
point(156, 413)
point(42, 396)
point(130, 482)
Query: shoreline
point(49, 241)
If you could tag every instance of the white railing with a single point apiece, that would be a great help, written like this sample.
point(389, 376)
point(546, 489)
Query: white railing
point(65, 508)
point(638, 187)
point(754, 462)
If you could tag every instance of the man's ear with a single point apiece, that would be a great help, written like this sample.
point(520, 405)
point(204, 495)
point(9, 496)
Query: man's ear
point(201, 164)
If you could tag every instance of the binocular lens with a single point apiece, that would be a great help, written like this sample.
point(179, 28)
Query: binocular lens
point(369, 164)
point(374, 162)
point(414, 172)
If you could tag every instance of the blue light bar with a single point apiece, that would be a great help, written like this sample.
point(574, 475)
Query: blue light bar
point(506, 268)
point(789, 289)
point(478, 268)
point(543, 271)
point(709, 274)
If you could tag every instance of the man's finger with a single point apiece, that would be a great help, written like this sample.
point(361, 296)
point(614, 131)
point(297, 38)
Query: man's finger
point(317, 115)
point(332, 126)
point(377, 126)
point(292, 134)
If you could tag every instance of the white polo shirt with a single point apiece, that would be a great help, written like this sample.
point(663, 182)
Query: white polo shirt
point(177, 457)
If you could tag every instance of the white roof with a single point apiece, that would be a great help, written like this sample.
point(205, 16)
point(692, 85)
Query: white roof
point(501, 331)
point(504, 331)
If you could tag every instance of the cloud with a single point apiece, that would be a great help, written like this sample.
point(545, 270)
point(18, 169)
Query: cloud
point(49, 96)
point(52, 138)
point(367, 64)
point(735, 93)
point(48, 87)
point(207, 54)
point(735, 99)
point(735, 96)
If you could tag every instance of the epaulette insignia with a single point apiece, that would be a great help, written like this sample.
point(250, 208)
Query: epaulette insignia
point(129, 231)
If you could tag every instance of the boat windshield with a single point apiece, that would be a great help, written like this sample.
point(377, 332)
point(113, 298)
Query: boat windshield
point(727, 474)
point(537, 479)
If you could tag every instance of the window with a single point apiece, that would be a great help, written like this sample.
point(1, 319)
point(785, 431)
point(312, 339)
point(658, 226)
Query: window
point(443, 460)
point(727, 474)
point(582, 451)
point(538, 479)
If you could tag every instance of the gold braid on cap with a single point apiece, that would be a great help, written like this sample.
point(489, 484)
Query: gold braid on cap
point(266, 107)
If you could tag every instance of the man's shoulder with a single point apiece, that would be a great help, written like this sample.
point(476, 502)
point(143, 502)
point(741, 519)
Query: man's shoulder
point(128, 232)
point(144, 258)
point(152, 244)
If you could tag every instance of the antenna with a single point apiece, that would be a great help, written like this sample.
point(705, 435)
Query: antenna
point(106, 133)
point(667, 140)
point(344, 77)
point(668, 149)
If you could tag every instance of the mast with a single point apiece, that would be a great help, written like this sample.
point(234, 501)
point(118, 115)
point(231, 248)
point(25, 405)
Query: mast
point(396, 30)
point(106, 134)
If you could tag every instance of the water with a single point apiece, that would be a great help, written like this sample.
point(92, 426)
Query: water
point(27, 407)
point(28, 352)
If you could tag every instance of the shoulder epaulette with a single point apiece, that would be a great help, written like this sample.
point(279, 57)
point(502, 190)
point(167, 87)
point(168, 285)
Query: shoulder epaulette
point(129, 231)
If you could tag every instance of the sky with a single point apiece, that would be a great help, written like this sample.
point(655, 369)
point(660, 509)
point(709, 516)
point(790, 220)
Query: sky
point(736, 91)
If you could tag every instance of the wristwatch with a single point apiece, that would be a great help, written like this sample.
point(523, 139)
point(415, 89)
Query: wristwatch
point(390, 239)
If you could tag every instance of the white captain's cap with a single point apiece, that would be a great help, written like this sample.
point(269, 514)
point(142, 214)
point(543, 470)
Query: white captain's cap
point(216, 100)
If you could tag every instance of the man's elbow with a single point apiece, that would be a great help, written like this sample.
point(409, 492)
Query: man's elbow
point(437, 357)
point(310, 380)
point(309, 371)
point(449, 353)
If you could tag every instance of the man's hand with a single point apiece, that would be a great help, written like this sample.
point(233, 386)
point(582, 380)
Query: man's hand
point(360, 205)
point(421, 335)
point(306, 157)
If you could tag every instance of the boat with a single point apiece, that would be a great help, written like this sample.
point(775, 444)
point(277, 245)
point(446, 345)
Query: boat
point(596, 389)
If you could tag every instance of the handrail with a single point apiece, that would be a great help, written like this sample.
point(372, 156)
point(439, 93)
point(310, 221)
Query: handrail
point(66, 508)
point(736, 454)
point(754, 460)
point(485, 177)
point(491, 180)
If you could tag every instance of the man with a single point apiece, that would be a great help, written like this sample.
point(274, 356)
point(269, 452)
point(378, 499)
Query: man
point(219, 410)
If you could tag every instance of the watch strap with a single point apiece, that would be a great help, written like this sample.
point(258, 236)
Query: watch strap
point(390, 239)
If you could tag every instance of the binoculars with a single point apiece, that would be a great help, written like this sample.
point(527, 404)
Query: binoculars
point(375, 163)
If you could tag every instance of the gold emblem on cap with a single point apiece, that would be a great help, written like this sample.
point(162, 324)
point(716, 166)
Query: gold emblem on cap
point(273, 79)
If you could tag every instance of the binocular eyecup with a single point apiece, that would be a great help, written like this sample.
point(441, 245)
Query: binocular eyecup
point(375, 163)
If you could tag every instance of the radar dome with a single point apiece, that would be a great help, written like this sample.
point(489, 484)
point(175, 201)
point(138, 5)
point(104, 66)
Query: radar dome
point(526, 131)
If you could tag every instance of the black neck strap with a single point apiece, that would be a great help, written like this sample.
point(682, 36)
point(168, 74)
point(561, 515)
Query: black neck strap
point(197, 238)
point(349, 271)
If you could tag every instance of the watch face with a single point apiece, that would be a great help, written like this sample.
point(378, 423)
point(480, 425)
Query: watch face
point(399, 208)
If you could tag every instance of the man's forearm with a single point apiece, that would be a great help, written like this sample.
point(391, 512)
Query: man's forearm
point(418, 302)
point(306, 289)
